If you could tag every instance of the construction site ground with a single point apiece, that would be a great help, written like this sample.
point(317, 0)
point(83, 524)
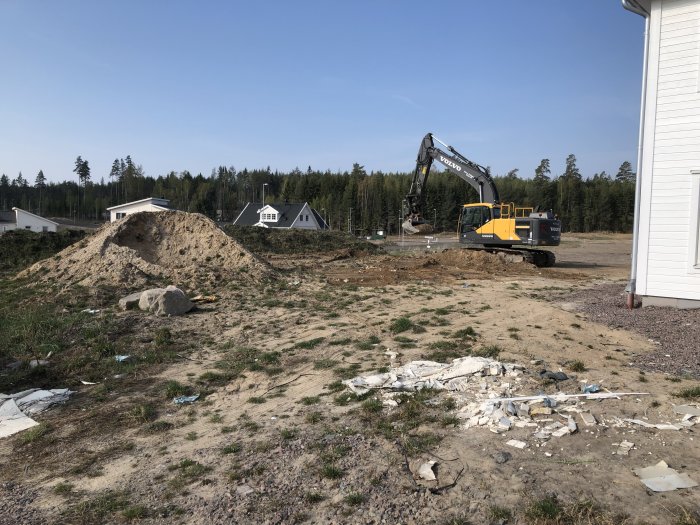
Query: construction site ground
point(276, 437)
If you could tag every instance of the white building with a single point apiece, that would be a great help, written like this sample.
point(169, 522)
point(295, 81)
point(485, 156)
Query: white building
point(149, 204)
point(19, 219)
point(288, 215)
point(666, 247)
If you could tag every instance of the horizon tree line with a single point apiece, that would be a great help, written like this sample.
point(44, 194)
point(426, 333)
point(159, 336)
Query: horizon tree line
point(352, 200)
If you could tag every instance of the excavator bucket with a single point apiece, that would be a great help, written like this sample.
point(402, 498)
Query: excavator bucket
point(412, 228)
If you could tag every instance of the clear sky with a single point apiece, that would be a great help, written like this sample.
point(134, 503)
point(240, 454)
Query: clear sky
point(191, 85)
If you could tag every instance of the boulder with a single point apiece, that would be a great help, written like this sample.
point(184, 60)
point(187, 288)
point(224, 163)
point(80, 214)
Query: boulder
point(130, 302)
point(165, 301)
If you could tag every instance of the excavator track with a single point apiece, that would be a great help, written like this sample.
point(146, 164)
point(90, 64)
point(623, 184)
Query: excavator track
point(540, 258)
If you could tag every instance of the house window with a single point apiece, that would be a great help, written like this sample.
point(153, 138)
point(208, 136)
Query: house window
point(44, 229)
point(269, 217)
point(694, 244)
point(27, 227)
point(121, 215)
point(307, 218)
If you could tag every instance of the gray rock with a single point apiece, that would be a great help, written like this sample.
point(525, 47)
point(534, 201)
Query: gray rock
point(130, 301)
point(165, 301)
point(501, 457)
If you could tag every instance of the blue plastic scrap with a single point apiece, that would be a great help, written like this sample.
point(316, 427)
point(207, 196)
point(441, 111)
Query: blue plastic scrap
point(182, 400)
point(122, 358)
point(589, 389)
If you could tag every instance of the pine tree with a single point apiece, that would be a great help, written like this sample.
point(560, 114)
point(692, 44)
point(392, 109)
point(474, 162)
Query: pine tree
point(625, 172)
point(40, 184)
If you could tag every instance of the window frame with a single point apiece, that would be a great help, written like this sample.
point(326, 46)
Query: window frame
point(694, 240)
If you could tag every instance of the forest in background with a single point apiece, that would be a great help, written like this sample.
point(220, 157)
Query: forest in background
point(351, 200)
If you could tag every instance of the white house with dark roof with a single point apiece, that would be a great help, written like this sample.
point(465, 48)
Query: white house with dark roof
point(150, 204)
point(666, 241)
point(19, 219)
point(284, 216)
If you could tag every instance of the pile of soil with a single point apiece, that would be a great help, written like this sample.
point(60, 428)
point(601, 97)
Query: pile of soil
point(173, 247)
point(299, 242)
point(444, 266)
point(484, 262)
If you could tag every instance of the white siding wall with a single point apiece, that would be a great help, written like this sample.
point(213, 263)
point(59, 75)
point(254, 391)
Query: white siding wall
point(27, 221)
point(7, 226)
point(671, 151)
point(135, 208)
point(311, 224)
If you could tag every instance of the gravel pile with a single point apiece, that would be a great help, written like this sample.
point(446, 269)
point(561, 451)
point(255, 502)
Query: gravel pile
point(675, 332)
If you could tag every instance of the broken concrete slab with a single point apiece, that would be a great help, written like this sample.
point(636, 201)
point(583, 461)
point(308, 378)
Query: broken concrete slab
point(623, 449)
point(516, 443)
point(12, 420)
point(588, 419)
point(662, 478)
point(688, 410)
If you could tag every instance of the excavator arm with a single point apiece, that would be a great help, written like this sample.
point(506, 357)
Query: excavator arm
point(474, 174)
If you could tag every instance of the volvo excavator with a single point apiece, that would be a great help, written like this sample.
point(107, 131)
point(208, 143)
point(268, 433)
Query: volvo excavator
point(488, 225)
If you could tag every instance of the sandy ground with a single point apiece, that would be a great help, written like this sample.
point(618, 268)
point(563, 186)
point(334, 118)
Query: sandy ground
point(285, 428)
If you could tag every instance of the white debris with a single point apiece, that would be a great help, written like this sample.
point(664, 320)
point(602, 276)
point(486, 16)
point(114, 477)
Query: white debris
point(659, 426)
point(15, 409)
point(623, 449)
point(516, 443)
point(417, 375)
point(661, 478)
point(426, 472)
point(687, 410)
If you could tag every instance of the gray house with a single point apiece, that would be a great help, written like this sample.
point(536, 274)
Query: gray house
point(285, 216)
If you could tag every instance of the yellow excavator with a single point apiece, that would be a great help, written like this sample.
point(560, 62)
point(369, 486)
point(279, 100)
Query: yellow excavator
point(489, 224)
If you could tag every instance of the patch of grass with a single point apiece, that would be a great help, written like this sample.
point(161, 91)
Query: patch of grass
point(98, 507)
point(465, 333)
point(491, 351)
point(313, 497)
point(401, 324)
point(214, 378)
point(688, 393)
point(136, 512)
point(322, 364)
point(159, 426)
point(288, 433)
point(142, 413)
point(191, 436)
point(311, 400)
point(175, 388)
point(498, 513)
point(63, 489)
point(355, 498)
point(313, 417)
point(232, 448)
point(547, 508)
point(330, 471)
point(310, 344)
point(340, 342)
point(372, 405)
point(335, 386)
point(577, 366)
point(257, 400)
point(34, 434)
point(189, 470)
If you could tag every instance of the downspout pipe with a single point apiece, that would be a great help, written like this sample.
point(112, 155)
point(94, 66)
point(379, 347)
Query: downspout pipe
point(635, 7)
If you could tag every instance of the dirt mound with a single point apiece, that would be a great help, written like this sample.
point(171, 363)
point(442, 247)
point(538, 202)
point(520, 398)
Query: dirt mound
point(175, 247)
point(483, 262)
point(444, 266)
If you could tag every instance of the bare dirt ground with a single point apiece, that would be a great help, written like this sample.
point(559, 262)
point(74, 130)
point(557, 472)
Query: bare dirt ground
point(275, 437)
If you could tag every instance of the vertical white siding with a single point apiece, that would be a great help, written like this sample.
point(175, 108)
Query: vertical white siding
point(28, 221)
point(671, 150)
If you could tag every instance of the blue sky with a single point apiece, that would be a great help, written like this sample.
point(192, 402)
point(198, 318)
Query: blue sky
point(190, 85)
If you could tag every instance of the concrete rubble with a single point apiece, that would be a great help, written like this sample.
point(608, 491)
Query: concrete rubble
point(483, 388)
point(15, 409)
